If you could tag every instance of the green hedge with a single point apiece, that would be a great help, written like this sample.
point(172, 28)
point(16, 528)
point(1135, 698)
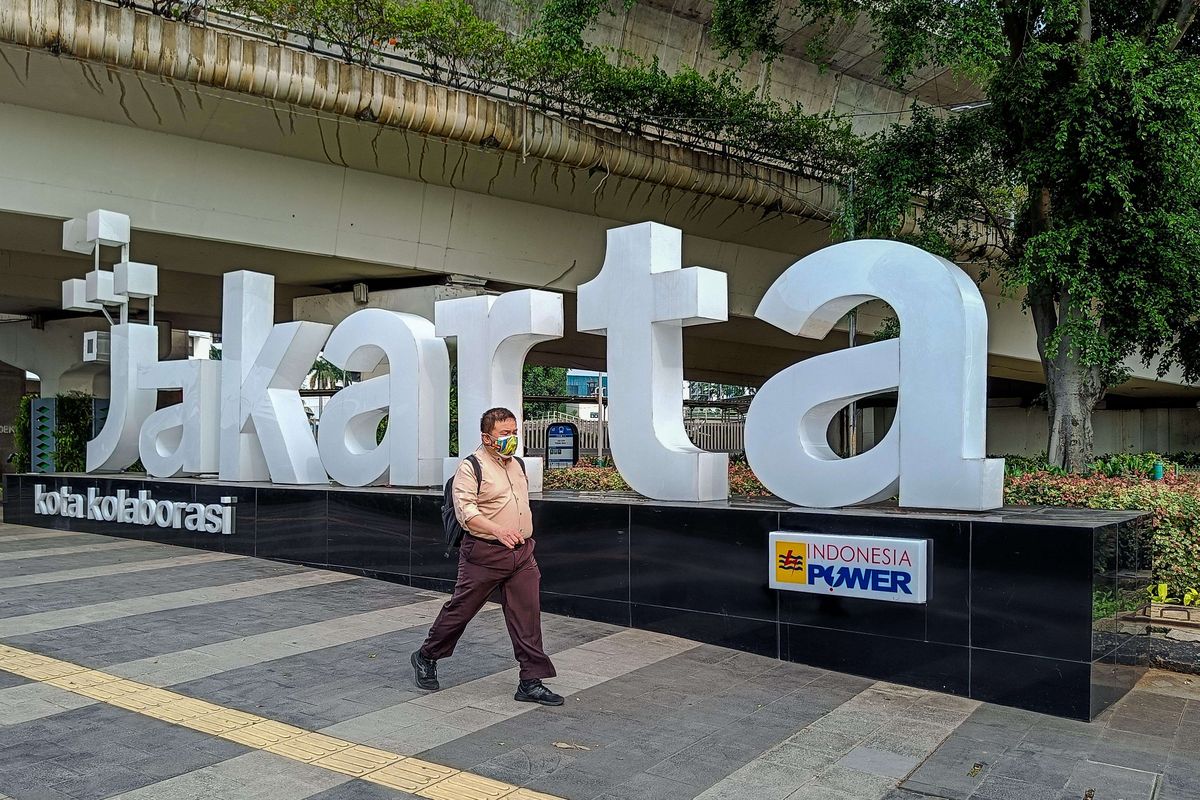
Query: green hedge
point(1172, 503)
point(21, 423)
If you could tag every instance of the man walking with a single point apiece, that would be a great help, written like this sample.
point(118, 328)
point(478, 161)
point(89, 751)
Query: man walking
point(496, 552)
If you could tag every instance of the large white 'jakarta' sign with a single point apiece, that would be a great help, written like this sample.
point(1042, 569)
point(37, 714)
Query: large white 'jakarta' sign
point(242, 418)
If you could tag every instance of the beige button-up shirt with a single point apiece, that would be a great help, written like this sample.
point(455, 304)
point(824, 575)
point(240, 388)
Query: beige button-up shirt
point(502, 497)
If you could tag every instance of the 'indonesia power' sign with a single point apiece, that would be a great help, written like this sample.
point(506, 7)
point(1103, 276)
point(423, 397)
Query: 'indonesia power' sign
point(850, 566)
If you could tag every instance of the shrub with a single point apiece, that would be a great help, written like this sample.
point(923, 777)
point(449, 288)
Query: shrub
point(584, 477)
point(588, 476)
point(21, 423)
point(745, 483)
point(1186, 460)
point(72, 430)
point(1173, 505)
point(1127, 464)
point(1023, 465)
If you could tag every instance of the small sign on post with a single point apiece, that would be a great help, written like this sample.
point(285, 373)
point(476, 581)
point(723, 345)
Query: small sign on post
point(562, 445)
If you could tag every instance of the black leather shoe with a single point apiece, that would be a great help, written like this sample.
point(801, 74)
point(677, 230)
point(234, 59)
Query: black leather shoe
point(534, 692)
point(425, 670)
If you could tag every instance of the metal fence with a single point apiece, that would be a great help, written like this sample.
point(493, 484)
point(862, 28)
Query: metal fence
point(716, 436)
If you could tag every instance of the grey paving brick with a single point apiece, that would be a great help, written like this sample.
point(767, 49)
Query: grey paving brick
point(522, 764)
point(8, 680)
point(97, 612)
point(855, 783)
point(102, 780)
point(905, 794)
point(1181, 781)
point(702, 764)
point(1160, 725)
point(759, 779)
point(956, 768)
point(143, 636)
point(45, 559)
point(574, 783)
point(105, 588)
point(879, 762)
point(136, 565)
point(31, 701)
point(1134, 750)
point(661, 718)
point(800, 757)
point(1076, 739)
point(257, 775)
point(826, 742)
point(362, 790)
point(1043, 768)
point(1012, 723)
point(20, 533)
point(995, 787)
point(36, 779)
point(814, 792)
point(1107, 782)
point(649, 787)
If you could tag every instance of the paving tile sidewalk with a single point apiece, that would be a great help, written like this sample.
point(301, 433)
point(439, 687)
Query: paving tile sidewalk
point(648, 716)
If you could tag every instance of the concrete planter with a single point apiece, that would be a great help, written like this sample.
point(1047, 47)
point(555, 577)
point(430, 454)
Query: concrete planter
point(1171, 614)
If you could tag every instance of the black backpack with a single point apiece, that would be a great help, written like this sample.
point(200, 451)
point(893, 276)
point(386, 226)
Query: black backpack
point(451, 527)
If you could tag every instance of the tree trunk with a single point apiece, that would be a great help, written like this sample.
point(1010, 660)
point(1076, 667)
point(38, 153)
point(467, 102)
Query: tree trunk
point(1072, 397)
point(1072, 390)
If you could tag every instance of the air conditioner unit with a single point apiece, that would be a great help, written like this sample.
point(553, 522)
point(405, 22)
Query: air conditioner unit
point(97, 347)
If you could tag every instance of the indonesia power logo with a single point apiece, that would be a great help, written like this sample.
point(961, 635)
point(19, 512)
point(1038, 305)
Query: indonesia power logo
point(790, 562)
point(851, 566)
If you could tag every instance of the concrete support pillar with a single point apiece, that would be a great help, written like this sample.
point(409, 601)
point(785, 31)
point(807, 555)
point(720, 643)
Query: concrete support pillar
point(333, 308)
point(55, 354)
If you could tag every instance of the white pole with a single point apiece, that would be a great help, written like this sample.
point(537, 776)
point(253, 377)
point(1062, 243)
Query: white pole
point(852, 411)
point(601, 418)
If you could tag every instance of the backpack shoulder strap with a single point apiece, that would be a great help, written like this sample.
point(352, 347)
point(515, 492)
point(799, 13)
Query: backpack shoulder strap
point(521, 461)
point(478, 471)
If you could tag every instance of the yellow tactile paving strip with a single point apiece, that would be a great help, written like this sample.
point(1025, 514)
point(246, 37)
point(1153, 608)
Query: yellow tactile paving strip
point(393, 770)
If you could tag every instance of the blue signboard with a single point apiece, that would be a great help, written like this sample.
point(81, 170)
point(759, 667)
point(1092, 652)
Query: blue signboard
point(562, 445)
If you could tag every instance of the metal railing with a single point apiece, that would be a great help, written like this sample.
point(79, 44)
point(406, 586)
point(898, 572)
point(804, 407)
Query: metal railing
point(202, 14)
point(716, 436)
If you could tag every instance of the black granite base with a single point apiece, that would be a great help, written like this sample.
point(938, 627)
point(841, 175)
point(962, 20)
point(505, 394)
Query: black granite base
point(1014, 595)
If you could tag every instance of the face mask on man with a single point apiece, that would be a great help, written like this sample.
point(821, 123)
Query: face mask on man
point(506, 445)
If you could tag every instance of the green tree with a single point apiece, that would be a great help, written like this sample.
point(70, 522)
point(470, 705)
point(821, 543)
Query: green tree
point(326, 376)
point(1078, 181)
point(544, 381)
point(700, 390)
point(21, 432)
point(72, 430)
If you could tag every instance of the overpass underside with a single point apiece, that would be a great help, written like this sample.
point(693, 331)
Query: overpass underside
point(222, 167)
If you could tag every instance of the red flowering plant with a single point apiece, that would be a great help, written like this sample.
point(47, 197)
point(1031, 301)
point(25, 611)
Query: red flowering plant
point(1172, 505)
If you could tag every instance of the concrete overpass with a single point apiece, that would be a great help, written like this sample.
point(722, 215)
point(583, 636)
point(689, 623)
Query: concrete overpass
point(233, 152)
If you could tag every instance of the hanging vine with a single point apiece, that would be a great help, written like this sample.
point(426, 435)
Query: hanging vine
point(551, 64)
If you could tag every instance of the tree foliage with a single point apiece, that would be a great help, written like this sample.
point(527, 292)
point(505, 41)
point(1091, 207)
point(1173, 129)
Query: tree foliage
point(72, 430)
point(324, 375)
point(1079, 183)
point(551, 65)
point(544, 381)
point(22, 422)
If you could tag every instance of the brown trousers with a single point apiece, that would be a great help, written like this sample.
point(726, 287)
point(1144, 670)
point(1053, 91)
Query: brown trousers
point(484, 566)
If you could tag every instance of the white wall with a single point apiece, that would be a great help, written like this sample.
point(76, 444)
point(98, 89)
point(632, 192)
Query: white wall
point(1022, 431)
